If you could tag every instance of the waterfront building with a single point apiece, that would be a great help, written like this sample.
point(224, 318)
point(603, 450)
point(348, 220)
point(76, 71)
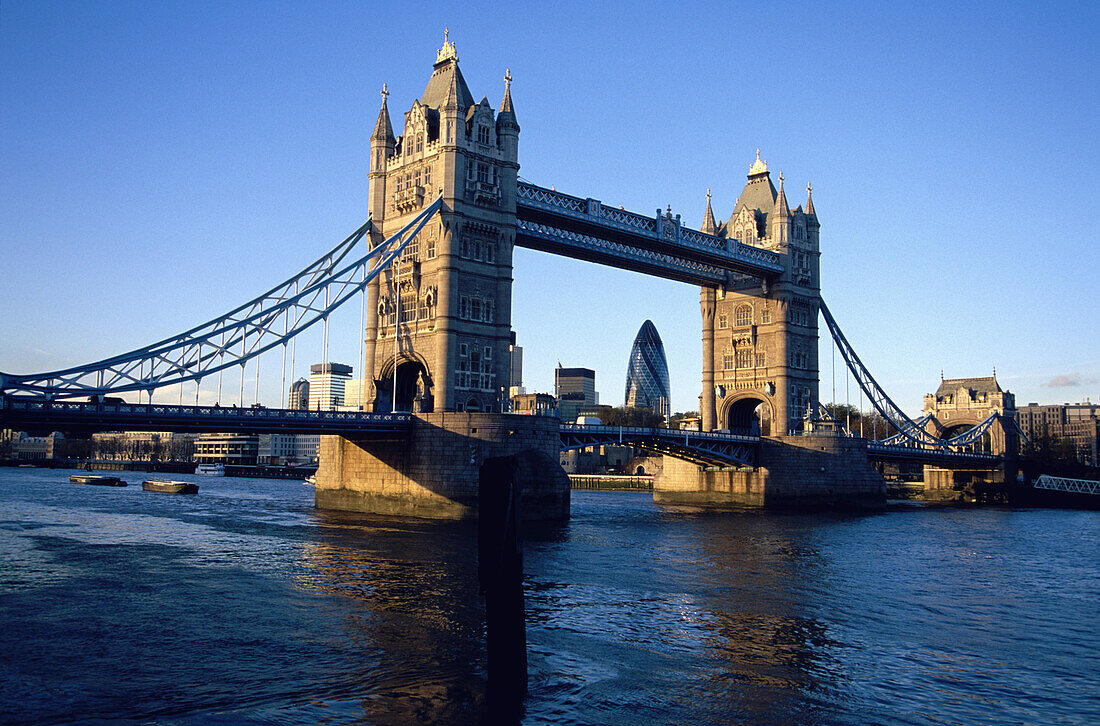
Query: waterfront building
point(1075, 422)
point(327, 382)
point(574, 388)
point(287, 449)
point(35, 448)
point(647, 383)
point(143, 446)
point(299, 394)
point(240, 449)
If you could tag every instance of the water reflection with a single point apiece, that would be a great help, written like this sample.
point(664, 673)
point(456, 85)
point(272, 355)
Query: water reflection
point(411, 597)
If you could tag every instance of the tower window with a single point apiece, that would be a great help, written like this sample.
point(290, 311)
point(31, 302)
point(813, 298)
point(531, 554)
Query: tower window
point(744, 315)
point(744, 358)
point(723, 322)
point(483, 134)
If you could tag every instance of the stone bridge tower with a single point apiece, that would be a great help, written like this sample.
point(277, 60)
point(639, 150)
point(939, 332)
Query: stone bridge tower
point(963, 403)
point(760, 368)
point(439, 320)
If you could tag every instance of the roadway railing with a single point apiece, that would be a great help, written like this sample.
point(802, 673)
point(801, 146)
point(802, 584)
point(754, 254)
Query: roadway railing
point(16, 411)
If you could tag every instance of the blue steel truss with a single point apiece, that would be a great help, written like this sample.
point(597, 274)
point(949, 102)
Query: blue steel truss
point(266, 322)
point(707, 448)
point(910, 433)
point(36, 413)
point(587, 229)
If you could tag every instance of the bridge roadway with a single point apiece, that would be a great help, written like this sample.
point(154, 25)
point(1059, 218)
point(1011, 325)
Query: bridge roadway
point(706, 448)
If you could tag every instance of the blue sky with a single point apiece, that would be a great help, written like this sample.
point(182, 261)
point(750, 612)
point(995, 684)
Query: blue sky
point(163, 162)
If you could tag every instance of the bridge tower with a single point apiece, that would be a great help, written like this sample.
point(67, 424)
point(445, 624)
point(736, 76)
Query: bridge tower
point(440, 319)
point(760, 368)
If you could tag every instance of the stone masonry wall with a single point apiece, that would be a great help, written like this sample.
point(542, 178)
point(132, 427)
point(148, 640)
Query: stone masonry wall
point(434, 471)
point(796, 472)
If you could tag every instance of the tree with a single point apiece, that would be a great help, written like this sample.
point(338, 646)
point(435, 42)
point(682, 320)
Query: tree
point(631, 416)
point(676, 418)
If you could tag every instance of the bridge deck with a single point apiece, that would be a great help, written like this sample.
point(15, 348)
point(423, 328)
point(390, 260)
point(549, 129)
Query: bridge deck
point(44, 415)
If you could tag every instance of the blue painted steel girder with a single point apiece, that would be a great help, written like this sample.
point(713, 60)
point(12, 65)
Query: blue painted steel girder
point(26, 413)
point(706, 448)
point(588, 230)
point(933, 457)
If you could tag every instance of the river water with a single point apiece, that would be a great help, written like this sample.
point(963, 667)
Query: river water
point(243, 604)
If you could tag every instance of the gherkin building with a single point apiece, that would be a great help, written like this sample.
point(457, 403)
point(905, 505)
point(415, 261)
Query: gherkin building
point(647, 372)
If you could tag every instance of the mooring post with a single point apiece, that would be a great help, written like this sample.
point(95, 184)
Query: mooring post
point(500, 572)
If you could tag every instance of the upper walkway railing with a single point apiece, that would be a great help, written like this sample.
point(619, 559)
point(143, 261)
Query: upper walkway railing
point(587, 229)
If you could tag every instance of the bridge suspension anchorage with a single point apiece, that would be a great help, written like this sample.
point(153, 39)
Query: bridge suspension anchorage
point(909, 432)
point(270, 320)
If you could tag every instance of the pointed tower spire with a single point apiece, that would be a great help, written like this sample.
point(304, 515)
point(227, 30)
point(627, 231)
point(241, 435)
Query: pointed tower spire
point(781, 209)
point(810, 199)
point(383, 129)
point(709, 225)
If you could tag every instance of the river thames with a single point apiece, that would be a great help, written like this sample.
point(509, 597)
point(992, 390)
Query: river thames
point(244, 604)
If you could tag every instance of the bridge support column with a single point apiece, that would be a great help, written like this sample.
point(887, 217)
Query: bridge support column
point(964, 485)
point(433, 471)
point(796, 472)
point(707, 302)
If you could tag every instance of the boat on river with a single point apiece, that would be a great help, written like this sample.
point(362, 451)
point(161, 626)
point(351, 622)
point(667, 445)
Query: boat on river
point(210, 469)
point(168, 486)
point(102, 481)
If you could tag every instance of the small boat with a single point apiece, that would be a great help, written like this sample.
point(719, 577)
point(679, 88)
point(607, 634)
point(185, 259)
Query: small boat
point(168, 486)
point(311, 480)
point(103, 481)
point(210, 469)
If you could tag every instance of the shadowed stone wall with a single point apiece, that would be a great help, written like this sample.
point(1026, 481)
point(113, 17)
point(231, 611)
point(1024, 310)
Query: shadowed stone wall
point(796, 472)
point(434, 471)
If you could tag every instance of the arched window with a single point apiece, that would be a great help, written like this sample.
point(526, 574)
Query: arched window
point(743, 315)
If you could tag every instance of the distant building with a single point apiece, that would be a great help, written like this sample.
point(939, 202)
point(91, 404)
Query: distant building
point(647, 384)
point(35, 448)
point(356, 392)
point(239, 449)
point(574, 388)
point(1076, 422)
point(287, 449)
point(299, 394)
point(535, 404)
point(143, 446)
point(515, 379)
point(327, 386)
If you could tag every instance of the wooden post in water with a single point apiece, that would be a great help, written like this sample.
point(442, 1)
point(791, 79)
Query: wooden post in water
point(500, 572)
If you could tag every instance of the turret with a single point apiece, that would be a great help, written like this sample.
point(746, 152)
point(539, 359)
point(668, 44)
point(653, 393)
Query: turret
point(709, 225)
point(382, 144)
point(507, 126)
point(780, 217)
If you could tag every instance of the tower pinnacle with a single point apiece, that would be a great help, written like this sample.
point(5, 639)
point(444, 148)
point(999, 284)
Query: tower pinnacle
point(709, 225)
point(448, 51)
point(758, 167)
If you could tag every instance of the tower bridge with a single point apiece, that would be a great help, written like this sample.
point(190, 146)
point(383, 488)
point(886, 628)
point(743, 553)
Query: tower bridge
point(446, 210)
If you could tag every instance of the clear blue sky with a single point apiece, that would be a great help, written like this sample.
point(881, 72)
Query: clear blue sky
point(163, 162)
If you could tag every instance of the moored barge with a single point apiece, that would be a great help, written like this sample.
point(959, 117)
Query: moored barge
point(168, 486)
point(102, 481)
